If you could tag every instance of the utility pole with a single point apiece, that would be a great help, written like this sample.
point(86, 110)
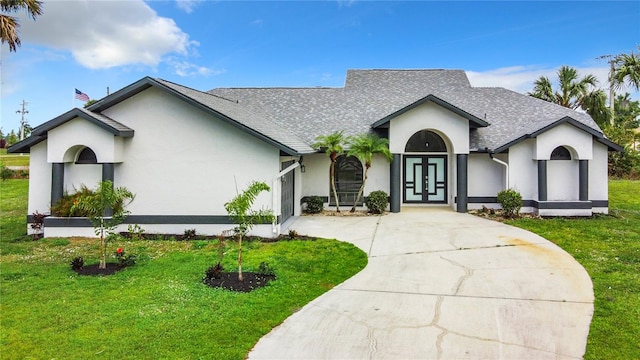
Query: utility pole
point(23, 121)
point(610, 60)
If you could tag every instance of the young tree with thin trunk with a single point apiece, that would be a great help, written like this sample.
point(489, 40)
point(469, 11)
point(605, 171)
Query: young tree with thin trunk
point(239, 210)
point(97, 204)
point(364, 147)
point(333, 145)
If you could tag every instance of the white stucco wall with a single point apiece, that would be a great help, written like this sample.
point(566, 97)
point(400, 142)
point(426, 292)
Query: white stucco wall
point(76, 175)
point(66, 140)
point(577, 141)
point(598, 177)
point(486, 177)
point(315, 180)
point(454, 129)
point(562, 180)
point(523, 169)
point(39, 180)
point(183, 161)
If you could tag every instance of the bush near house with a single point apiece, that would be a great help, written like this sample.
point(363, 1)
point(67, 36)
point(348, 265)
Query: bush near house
point(377, 202)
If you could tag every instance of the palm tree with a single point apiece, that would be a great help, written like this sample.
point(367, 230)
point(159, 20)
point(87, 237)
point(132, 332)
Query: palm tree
point(574, 93)
point(333, 145)
point(9, 24)
point(364, 146)
point(626, 69)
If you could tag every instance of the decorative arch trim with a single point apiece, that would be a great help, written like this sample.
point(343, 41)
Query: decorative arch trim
point(86, 156)
point(425, 141)
point(561, 153)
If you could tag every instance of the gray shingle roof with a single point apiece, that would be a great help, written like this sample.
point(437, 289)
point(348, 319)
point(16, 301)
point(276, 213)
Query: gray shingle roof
point(372, 95)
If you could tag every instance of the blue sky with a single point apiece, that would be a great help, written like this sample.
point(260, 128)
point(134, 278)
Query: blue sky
point(92, 45)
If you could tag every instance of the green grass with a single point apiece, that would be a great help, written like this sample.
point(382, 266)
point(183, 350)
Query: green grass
point(609, 249)
point(13, 159)
point(157, 309)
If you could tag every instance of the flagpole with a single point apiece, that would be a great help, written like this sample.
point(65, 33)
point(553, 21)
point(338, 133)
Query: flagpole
point(73, 98)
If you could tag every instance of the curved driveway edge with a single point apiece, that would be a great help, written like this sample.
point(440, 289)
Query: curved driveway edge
point(440, 285)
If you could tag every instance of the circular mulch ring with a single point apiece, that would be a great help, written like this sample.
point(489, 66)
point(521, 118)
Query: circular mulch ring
point(229, 281)
point(93, 270)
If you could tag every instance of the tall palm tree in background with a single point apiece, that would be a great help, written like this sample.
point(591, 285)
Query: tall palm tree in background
point(574, 93)
point(626, 69)
point(333, 145)
point(9, 25)
point(364, 146)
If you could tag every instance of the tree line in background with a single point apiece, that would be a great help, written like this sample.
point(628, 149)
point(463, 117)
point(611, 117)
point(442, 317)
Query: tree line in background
point(617, 114)
point(13, 136)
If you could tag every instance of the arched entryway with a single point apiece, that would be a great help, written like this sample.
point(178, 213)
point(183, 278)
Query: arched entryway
point(348, 176)
point(425, 169)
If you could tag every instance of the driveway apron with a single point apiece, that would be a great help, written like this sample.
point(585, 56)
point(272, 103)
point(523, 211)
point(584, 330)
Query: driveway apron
point(440, 285)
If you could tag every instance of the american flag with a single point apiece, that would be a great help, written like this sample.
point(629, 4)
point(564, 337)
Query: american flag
point(81, 96)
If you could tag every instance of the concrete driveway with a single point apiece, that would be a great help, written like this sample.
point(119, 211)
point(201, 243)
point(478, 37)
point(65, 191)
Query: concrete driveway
point(440, 285)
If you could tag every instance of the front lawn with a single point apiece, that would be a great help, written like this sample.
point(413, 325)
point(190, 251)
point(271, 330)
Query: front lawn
point(609, 249)
point(157, 309)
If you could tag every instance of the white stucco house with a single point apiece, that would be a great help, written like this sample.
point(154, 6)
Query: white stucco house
point(185, 152)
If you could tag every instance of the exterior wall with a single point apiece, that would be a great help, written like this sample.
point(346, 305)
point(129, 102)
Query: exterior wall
point(523, 171)
point(378, 176)
point(576, 140)
point(486, 179)
point(598, 177)
point(66, 140)
point(76, 175)
point(39, 180)
point(429, 116)
point(183, 161)
point(315, 180)
point(562, 180)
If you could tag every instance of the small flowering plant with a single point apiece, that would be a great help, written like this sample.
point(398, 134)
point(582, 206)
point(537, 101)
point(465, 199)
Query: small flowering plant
point(124, 259)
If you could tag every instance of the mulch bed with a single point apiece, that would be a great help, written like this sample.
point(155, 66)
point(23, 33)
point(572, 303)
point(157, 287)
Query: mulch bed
point(229, 281)
point(94, 270)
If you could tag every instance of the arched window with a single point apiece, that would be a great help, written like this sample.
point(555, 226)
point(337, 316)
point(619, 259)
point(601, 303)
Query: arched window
point(87, 156)
point(560, 153)
point(425, 141)
point(348, 179)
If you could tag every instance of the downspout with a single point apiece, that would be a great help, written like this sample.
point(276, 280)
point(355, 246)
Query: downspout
point(506, 167)
point(276, 190)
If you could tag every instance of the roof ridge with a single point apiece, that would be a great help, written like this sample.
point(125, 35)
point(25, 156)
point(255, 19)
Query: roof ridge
point(196, 90)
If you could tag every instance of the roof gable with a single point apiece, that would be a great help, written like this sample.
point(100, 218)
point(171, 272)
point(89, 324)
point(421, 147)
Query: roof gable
point(565, 120)
point(227, 110)
point(474, 121)
point(40, 132)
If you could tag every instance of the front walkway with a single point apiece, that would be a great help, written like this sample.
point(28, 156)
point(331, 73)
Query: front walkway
point(440, 285)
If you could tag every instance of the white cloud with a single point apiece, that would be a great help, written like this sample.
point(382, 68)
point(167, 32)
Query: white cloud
point(184, 68)
point(105, 34)
point(188, 5)
point(521, 78)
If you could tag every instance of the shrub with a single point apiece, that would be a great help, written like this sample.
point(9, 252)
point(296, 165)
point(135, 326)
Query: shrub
point(65, 207)
point(5, 172)
point(315, 204)
point(377, 202)
point(189, 234)
point(136, 232)
point(213, 272)
point(38, 224)
point(511, 202)
point(77, 263)
point(265, 269)
point(124, 259)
